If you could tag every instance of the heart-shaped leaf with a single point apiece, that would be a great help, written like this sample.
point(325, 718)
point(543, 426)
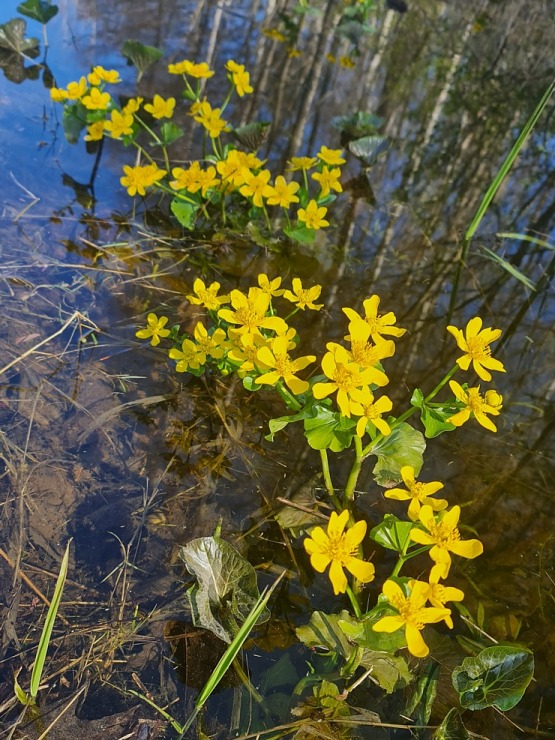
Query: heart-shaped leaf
point(141, 55)
point(12, 37)
point(39, 10)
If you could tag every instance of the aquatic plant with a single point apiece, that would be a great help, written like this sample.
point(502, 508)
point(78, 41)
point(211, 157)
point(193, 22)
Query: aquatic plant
point(249, 333)
point(229, 184)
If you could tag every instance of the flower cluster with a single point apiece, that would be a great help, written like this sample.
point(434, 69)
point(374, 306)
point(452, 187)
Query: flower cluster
point(228, 176)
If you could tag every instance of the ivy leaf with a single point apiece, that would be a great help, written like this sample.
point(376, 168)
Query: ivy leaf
point(169, 133)
point(419, 706)
point(141, 55)
point(496, 677)
point(451, 728)
point(227, 590)
point(404, 446)
point(39, 10)
point(185, 213)
point(392, 533)
point(12, 37)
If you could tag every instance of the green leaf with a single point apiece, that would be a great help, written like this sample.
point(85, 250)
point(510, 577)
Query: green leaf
point(252, 135)
point(140, 55)
point(250, 385)
point(419, 706)
point(451, 728)
point(323, 632)
point(289, 517)
point(369, 148)
point(227, 590)
point(12, 37)
point(433, 416)
point(39, 10)
point(358, 124)
point(328, 429)
point(169, 133)
point(508, 267)
point(392, 533)
point(404, 446)
point(20, 694)
point(185, 213)
point(280, 422)
point(73, 122)
point(300, 234)
point(496, 677)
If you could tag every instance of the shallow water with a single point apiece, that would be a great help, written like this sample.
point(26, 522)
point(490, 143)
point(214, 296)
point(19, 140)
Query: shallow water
point(103, 442)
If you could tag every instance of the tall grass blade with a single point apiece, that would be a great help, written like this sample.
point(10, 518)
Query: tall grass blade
point(508, 163)
point(231, 653)
point(42, 649)
point(511, 269)
point(527, 238)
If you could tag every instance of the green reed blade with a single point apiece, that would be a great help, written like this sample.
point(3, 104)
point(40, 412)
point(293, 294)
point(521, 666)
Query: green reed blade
point(42, 649)
point(231, 653)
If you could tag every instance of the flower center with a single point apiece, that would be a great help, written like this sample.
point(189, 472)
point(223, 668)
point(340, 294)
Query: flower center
point(339, 550)
point(477, 349)
point(346, 379)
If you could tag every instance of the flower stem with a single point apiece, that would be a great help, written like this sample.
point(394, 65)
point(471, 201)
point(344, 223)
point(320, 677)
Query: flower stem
point(355, 470)
point(354, 602)
point(328, 481)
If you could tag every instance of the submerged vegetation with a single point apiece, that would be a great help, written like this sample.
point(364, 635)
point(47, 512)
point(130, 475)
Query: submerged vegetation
point(309, 465)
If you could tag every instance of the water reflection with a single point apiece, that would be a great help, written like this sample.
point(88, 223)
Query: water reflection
point(453, 86)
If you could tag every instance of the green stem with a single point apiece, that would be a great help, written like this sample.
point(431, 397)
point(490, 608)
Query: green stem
point(328, 481)
point(288, 397)
point(293, 312)
point(354, 602)
point(268, 224)
point(355, 470)
point(227, 99)
point(405, 558)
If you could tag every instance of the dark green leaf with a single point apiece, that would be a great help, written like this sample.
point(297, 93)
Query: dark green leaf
point(433, 416)
point(451, 728)
point(497, 676)
point(12, 37)
point(361, 632)
point(227, 590)
point(73, 122)
point(404, 446)
point(369, 148)
point(39, 10)
point(279, 423)
point(323, 632)
point(358, 124)
point(140, 55)
point(169, 133)
point(14, 67)
point(252, 135)
point(419, 706)
point(392, 533)
point(185, 213)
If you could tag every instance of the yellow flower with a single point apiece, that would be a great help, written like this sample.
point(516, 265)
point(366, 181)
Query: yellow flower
point(270, 286)
point(201, 70)
point(239, 77)
point(95, 131)
point(346, 62)
point(477, 349)
point(132, 105)
point(277, 359)
point(365, 353)
point(189, 356)
point(293, 52)
point(273, 33)
point(96, 100)
point(120, 124)
point(331, 156)
point(304, 297)
point(475, 405)
point(160, 108)
point(245, 349)
point(58, 95)
point(207, 297)
point(445, 538)
point(99, 75)
point(437, 594)
point(76, 90)
point(313, 217)
point(370, 411)
point(412, 615)
point(256, 186)
point(329, 180)
point(283, 193)
point(345, 377)
point(340, 549)
point(250, 313)
point(418, 493)
point(301, 163)
point(331, 58)
point(209, 117)
point(154, 329)
point(136, 180)
point(213, 345)
point(378, 324)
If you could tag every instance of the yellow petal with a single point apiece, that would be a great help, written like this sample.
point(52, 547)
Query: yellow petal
point(319, 562)
point(467, 548)
point(338, 578)
point(388, 624)
point(415, 642)
point(355, 534)
point(337, 523)
point(362, 570)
